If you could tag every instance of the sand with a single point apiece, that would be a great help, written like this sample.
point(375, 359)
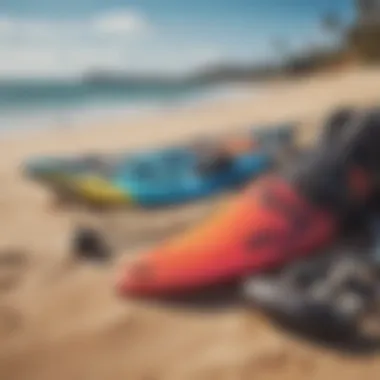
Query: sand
point(59, 319)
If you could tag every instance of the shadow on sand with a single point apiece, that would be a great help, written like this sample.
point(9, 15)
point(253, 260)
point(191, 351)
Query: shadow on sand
point(355, 344)
point(228, 296)
point(210, 299)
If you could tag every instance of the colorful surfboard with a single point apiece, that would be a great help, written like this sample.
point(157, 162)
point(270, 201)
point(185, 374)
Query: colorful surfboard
point(161, 176)
point(268, 225)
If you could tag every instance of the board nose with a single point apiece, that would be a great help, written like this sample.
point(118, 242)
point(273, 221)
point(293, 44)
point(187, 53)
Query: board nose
point(136, 279)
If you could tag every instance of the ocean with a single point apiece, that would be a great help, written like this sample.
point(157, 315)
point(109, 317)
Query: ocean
point(40, 104)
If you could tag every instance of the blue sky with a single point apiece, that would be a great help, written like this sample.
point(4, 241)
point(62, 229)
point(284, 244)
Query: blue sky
point(67, 37)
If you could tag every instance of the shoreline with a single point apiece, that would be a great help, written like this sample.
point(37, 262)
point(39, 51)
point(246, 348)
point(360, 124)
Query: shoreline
point(298, 100)
point(117, 111)
point(63, 140)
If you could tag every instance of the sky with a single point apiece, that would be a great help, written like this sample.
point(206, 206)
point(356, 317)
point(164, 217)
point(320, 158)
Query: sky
point(69, 37)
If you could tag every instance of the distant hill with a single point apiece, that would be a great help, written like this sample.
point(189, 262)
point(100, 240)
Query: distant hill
point(222, 73)
point(232, 73)
point(209, 75)
point(104, 77)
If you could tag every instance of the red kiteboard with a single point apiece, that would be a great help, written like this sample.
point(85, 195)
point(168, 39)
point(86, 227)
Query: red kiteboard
point(266, 226)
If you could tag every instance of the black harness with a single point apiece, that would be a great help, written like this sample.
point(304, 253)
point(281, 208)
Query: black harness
point(327, 177)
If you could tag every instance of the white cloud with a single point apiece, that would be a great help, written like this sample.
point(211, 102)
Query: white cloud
point(120, 23)
point(62, 62)
point(175, 61)
point(5, 25)
point(36, 46)
point(74, 59)
point(110, 40)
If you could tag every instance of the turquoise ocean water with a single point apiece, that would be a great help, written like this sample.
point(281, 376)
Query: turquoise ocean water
point(36, 104)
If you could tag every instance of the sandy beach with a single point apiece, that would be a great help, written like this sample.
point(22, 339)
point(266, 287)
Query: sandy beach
point(59, 319)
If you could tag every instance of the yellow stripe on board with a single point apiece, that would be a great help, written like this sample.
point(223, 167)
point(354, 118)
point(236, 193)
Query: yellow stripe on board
point(96, 189)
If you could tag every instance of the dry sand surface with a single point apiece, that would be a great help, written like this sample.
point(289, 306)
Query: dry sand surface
point(60, 319)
